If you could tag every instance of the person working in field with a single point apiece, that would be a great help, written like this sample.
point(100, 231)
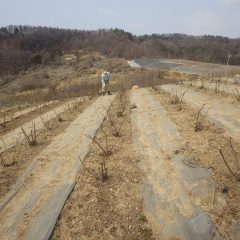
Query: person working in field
point(105, 83)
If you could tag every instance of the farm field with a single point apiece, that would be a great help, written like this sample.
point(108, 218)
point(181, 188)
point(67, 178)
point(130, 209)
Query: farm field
point(160, 160)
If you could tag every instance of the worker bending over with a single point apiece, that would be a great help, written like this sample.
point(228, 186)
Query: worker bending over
point(105, 83)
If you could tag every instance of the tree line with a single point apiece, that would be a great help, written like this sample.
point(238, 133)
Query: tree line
point(19, 45)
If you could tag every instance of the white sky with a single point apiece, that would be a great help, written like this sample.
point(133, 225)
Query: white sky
point(197, 17)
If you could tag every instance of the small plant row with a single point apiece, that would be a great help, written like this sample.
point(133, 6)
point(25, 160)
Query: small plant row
point(176, 98)
point(114, 118)
point(228, 152)
point(32, 134)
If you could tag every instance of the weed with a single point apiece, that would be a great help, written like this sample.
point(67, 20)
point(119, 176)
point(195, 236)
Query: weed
point(142, 218)
point(177, 98)
point(48, 123)
point(32, 137)
point(146, 233)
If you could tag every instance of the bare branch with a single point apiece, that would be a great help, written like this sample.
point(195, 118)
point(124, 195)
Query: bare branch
point(32, 137)
point(227, 158)
point(200, 117)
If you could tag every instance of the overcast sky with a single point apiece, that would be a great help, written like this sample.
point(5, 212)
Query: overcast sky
point(197, 17)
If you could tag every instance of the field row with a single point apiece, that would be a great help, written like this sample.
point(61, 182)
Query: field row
point(185, 143)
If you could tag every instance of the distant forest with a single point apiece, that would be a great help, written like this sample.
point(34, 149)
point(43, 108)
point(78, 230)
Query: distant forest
point(22, 46)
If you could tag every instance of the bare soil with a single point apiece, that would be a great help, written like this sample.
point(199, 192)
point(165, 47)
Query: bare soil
point(196, 145)
point(111, 209)
point(17, 159)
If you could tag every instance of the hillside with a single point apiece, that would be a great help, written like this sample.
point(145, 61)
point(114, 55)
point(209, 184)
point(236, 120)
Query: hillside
point(24, 46)
point(158, 158)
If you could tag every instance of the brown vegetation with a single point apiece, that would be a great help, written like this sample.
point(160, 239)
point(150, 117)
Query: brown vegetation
point(14, 161)
point(109, 209)
point(196, 146)
point(24, 46)
point(200, 118)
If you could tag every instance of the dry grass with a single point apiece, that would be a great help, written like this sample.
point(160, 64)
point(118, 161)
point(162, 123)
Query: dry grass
point(17, 159)
point(176, 98)
point(229, 155)
point(37, 81)
point(67, 79)
point(196, 146)
point(110, 209)
point(78, 78)
point(16, 122)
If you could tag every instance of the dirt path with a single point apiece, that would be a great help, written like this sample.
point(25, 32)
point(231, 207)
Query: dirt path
point(220, 113)
point(9, 117)
point(31, 209)
point(16, 136)
point(172, 191)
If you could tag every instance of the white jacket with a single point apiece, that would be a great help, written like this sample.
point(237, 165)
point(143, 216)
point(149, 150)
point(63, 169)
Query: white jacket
point(105, 77)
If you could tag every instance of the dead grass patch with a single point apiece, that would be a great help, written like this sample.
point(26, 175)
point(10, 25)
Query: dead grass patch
point(110, 209)
point(196, 146)
point(8, 126)
point(17, 159)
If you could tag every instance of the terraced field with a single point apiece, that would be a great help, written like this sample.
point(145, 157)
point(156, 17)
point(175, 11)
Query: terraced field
point(159, 163)
point(7, 116)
